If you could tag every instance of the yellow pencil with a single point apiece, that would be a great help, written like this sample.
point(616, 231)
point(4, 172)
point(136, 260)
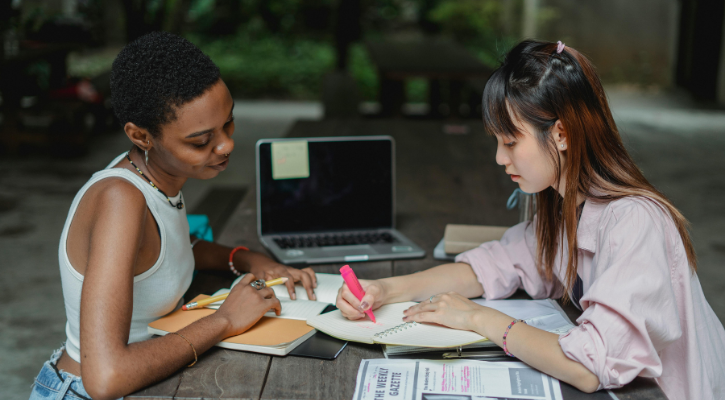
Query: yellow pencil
point(214, 299)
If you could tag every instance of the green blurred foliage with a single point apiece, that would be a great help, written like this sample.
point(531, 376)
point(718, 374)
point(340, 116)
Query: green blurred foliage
point(270, 66)
point(283, 48)
point(363, 71)
point(477, 24)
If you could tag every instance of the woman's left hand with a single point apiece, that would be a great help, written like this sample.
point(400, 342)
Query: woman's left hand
point(449, 309)
point(265, 268)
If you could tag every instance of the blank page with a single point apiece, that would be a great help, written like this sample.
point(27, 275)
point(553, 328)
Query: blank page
point(390, 329)
point(334, 324)
point(428, 335)
point(326, 290)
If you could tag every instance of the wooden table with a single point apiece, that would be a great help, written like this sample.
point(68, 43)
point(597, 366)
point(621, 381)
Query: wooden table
point(432, 58)
point(440, 179)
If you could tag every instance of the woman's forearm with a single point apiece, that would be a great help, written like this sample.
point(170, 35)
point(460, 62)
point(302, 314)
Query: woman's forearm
point(210, 256)
point(140, 364)
point(537, 348)
point(421, 285)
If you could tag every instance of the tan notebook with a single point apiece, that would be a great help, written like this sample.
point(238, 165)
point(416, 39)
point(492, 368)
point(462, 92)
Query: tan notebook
point(389, 328)
point(460, 238)
point(270, 335)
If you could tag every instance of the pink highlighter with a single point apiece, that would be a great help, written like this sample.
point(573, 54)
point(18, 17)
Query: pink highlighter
point(355, 288)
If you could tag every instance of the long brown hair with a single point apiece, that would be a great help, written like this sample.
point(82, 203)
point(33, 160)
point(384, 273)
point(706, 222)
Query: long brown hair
point(540, 86)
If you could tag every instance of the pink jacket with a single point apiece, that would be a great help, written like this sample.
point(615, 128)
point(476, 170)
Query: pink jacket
point(644, 313)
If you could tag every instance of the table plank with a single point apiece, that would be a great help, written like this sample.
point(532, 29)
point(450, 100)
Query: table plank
point(219, 373)
point(309, 378)
point(225, 374)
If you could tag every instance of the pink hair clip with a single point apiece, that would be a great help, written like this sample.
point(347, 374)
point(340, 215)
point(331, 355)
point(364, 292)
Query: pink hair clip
point(559, 47)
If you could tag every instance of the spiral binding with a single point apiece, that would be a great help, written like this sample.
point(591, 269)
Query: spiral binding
point(395, 329)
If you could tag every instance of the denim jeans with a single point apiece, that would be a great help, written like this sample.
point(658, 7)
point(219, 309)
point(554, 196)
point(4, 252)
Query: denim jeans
point(52, 383)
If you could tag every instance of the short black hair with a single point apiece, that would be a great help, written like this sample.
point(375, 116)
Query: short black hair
point(154, 75)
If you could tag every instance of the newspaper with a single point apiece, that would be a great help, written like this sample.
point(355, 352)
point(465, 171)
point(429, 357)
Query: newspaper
point(384, 379)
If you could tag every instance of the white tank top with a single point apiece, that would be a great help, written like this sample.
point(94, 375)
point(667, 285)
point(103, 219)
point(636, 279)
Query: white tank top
point(157, 291)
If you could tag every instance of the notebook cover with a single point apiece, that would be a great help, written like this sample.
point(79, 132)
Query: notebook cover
point(268, 331)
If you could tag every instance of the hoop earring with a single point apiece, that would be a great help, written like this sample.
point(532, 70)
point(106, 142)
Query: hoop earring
point(146, 153)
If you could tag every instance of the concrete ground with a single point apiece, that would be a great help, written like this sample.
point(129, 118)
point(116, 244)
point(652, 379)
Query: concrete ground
point(679, 146)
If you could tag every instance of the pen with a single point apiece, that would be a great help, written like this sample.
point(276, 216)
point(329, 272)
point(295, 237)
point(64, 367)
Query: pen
point(349, 276)
point(475, 354)
point(214, 299)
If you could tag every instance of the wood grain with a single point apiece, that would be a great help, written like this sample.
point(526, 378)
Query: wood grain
point(309, 378)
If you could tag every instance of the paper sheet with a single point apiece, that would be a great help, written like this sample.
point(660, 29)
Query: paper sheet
point(386, 317)
point(302, 308)
point(390, 317)
point(381, 379)
point(290, 160)
point(542, 314)
point(326, 290)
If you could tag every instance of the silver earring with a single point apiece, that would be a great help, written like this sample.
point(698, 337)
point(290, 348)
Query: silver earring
point(562, 146)
point(146, 153)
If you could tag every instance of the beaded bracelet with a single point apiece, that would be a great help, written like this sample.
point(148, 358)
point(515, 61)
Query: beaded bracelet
point(231, 256)
point(192, 347)
point(505, 334)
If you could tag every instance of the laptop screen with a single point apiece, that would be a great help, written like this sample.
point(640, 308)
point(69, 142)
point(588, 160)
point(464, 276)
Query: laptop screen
point(311, 185)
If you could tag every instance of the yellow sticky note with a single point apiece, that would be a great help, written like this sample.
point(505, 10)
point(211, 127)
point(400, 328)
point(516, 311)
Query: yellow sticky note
point(290, 160)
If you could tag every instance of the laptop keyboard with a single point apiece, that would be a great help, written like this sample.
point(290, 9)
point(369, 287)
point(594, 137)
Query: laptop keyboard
point(337, 239)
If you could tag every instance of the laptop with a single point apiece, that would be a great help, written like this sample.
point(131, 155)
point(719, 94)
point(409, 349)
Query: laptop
point(329, 200)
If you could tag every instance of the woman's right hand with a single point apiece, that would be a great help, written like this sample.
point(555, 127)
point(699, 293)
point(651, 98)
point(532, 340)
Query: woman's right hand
point(352, 308)
point(246, 305)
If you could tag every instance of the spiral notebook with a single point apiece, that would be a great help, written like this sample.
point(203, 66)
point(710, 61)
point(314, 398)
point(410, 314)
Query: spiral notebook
point(390, 329)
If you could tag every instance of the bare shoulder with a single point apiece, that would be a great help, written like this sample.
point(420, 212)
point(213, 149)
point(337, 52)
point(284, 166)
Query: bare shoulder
point(114, 197)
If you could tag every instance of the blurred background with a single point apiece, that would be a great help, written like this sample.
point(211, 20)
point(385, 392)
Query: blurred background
point(661, 62)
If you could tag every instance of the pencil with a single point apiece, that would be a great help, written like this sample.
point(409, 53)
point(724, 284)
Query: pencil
point(214, 299)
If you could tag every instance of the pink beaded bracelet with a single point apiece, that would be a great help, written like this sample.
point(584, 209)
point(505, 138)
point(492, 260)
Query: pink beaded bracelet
point(505, 334)
point(231, 257)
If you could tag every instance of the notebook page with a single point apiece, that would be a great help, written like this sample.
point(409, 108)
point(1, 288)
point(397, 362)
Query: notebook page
point(291, 309)
point(542, 314)
point(427, 335)
point(326, 290)
point(298, 309)
point(520, 309)
point(334, 324)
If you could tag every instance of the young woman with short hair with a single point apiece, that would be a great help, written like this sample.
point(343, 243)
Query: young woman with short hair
point(126, 256)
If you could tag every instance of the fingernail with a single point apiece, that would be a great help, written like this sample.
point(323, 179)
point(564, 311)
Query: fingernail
point(293, 297)
point(364, 305)
point(404, 318)
point(314, 296)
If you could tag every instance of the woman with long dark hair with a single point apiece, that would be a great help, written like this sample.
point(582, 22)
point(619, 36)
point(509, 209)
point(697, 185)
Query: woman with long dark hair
point(602, 237)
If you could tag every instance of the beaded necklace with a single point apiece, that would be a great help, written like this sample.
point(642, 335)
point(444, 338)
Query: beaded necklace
point(178, 205)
